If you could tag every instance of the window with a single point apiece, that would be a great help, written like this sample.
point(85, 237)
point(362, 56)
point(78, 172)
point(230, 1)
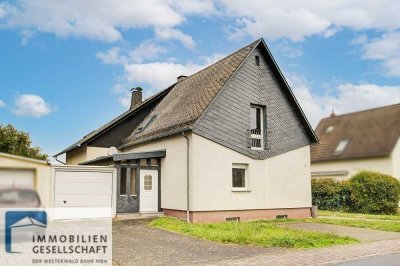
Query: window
point(341, 146)
point(148, 182)
point(122, 187)
point(257, 60)
point(239, 177)
point(133, 181)
point(256, 137)
point(233, 219)
point(329, 129)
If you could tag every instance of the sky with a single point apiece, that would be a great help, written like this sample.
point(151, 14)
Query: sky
point(66, 67)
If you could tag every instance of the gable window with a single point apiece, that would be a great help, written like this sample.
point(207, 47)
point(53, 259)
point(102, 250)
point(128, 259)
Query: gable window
point(341, 146)
point(257, 124)
point(257, 60)
point(240, 177)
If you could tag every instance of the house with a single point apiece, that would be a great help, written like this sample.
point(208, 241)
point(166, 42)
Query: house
point(349, 143)
point(26, 173)
point(229, 142)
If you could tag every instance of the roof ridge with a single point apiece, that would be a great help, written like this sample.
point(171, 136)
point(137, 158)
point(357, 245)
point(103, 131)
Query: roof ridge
point(363, 111)
point(256, 42)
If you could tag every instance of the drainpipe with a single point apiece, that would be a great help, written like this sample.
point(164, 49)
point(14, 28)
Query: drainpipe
point(187, 178)
point(55, 157)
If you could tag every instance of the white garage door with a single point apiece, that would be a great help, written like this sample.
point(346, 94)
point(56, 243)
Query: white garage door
point(82, 189)
point(17, 178)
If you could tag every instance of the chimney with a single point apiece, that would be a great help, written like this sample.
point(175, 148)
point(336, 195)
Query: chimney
point(136, 99)
point(180, 78)
point(333, 113)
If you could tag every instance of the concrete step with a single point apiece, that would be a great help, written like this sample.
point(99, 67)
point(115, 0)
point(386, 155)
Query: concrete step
point(136, 215)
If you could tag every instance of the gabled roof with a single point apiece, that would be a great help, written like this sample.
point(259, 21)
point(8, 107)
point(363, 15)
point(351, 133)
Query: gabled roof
point(369, 133)
point(189, 98)
point(115, 121)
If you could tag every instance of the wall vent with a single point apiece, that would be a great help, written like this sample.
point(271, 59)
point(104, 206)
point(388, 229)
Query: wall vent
point(233, 219)
point(281, 217)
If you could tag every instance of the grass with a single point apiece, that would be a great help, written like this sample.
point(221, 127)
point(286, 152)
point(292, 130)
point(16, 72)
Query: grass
point(387, 225)
point(359, 215)
point(260, 233)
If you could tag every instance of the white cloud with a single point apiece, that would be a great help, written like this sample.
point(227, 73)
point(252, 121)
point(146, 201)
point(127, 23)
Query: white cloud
point(174, 34)
point(102, 20)
point(296, 20)
point(111, 56)
point(31, 105)
point(361, 39)
point(146, 51)
point(342, 99)
point(2, 104)
point(385, 49)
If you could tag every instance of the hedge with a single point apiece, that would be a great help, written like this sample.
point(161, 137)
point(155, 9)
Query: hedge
point(330, 194)
point(365, 192)
point(373, 192)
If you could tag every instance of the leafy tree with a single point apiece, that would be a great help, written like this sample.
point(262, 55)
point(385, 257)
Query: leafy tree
point(17, 142)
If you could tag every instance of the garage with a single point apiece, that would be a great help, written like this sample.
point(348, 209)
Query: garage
point(83, 192)
point(17, 178)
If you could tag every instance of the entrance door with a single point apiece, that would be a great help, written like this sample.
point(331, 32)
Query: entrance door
point(148, 191)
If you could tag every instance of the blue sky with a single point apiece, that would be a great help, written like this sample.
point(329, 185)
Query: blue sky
point(67, 67)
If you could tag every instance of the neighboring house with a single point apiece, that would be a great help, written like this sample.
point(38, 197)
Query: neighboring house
point(26, 173)
point(226, 143)
point(349, 143)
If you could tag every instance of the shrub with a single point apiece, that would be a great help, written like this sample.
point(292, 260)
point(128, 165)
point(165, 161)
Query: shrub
point(373, 192)
point(330, 194)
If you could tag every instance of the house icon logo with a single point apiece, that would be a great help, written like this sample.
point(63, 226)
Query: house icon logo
point(21, 226)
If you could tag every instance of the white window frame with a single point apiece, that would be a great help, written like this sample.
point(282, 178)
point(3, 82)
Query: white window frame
point(261, 136)
point(244, 166)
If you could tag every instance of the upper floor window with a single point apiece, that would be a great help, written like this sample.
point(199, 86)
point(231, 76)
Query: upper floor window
point(257, 125)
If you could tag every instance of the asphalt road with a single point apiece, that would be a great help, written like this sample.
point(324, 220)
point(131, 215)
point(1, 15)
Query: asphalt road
point(386, 260)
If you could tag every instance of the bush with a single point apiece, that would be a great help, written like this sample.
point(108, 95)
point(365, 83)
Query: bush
point(330, 194)
point(375, 193)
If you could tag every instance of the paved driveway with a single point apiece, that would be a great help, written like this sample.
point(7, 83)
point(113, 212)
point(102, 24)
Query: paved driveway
point(134, 243)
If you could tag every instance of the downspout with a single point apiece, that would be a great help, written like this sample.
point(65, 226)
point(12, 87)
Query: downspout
point(55, 157)
point(187, 178)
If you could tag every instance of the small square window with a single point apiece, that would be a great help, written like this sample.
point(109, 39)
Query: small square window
point(239, 177)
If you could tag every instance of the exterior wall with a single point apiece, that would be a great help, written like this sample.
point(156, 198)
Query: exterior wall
point(383, 165)
point(396, 160)
point(95, 152)
point(84, 153)
point(173, 169)
point(279, 182)
point(42, 173)
point(76, 156)
point(227, 120)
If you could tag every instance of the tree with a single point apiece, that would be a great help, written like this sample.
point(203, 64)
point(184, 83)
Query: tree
point(17, 142)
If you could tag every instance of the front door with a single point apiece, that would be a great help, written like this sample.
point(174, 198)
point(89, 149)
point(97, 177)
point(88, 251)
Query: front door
point(148, 191)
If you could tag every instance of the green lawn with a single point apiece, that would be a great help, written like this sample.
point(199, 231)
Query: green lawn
point(392, 226)
point(359, 215)
point(260, 233)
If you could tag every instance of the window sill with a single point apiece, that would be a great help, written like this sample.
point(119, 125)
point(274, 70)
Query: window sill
point(241, 190)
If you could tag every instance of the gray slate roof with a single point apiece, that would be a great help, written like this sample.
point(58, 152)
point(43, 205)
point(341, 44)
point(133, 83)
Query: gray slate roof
point(184, 105)
point(114, 121)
